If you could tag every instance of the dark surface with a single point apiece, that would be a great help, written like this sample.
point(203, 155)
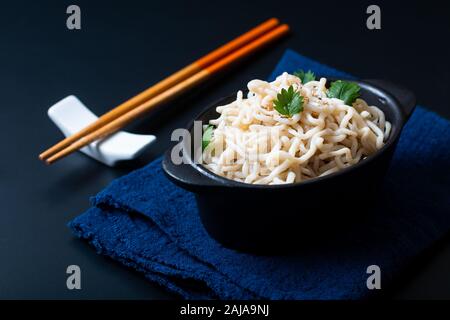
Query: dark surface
point(124, 47)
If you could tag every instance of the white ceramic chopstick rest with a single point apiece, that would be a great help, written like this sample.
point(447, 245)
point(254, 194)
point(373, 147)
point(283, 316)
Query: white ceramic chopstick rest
point(70, 115)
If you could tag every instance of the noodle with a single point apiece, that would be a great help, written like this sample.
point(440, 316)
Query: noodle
point(253, 143)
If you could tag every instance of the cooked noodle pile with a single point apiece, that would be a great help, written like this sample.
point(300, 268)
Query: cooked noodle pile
point(253, 143)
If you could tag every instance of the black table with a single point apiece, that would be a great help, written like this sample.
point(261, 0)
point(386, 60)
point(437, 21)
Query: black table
point(122, 48)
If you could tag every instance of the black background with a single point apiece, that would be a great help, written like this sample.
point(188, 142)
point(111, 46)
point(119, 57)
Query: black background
point(125, 46)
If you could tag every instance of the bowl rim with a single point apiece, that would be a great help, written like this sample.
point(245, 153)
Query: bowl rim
point(392, 139)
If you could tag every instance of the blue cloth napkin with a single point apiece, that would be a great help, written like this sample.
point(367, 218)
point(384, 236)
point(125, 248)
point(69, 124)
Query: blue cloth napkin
point(149, 224)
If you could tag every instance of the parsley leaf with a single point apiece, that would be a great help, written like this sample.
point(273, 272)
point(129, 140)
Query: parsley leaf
point(305, 76)
point(344, 90)
point(207, 136)
point(288, 102)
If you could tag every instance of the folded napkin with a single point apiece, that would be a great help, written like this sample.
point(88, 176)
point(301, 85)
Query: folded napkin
point(147, 223)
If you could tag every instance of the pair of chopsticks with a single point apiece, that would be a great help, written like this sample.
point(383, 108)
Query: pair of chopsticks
point(169, 88)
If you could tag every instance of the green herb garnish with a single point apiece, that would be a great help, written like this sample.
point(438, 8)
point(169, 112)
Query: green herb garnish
point(344, 90)
point(305, 76)
point(288, 102)
point(207, 136)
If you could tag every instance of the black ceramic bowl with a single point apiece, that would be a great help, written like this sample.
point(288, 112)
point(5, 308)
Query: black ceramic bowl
point(259, 217)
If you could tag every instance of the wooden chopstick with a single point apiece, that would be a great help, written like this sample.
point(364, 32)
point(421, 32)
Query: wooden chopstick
point(172, 92)
point(164, 84)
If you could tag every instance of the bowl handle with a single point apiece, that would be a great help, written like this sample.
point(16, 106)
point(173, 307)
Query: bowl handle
point(405, 97)
point(184, 175)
